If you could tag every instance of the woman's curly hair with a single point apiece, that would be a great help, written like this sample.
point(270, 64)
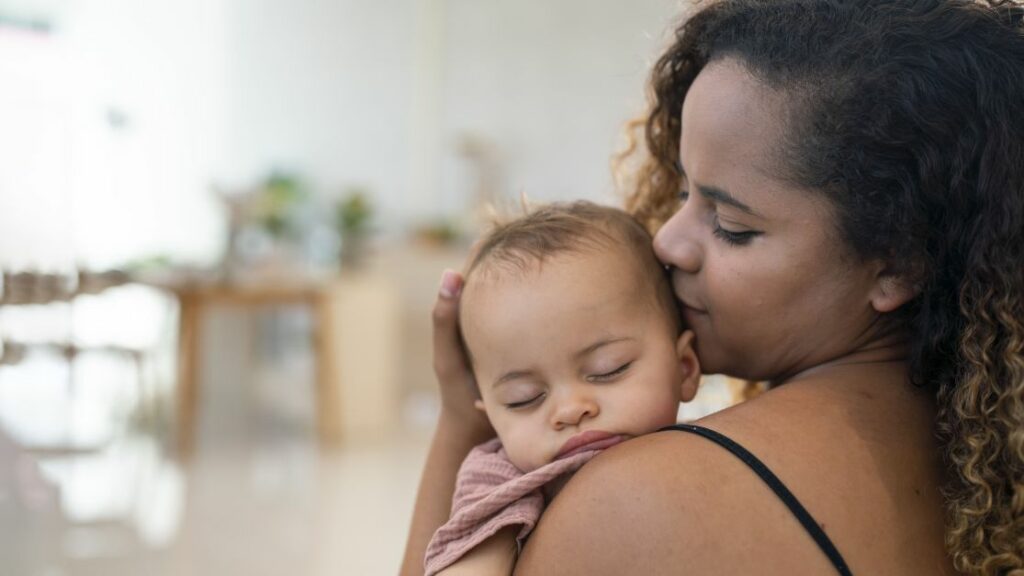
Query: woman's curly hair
point(907, 115)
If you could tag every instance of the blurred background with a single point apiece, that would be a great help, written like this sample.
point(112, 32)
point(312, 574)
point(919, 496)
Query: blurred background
point(222, 224)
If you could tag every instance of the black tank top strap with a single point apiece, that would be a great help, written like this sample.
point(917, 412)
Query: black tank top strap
point(773, 482)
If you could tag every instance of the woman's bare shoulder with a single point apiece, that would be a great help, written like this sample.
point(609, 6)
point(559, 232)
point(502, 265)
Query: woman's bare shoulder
point(676, 503)
point(667, 503)
point(628, 499)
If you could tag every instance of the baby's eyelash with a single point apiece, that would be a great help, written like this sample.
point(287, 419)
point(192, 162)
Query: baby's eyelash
point(610, 375)
point(524, 403)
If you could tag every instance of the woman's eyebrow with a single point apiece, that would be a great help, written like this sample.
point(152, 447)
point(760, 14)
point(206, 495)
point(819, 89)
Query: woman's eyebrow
point(716, 194)
point(722, 197)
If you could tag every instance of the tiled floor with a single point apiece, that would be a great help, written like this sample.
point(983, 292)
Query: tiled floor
point(279, 507)
point(258, 498)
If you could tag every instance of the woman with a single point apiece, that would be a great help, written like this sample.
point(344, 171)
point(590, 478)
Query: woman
point(851, 230)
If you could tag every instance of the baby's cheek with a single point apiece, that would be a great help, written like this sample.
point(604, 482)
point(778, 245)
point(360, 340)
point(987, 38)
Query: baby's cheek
point(523, 451)
point(666, 417)
point(520, 461)
point(659, 414)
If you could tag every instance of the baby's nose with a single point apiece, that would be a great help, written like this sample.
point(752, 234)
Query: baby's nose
point(573, 409)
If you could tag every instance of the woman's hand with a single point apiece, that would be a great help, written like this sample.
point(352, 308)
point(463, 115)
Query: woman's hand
point(458, 388)
point(460, 427)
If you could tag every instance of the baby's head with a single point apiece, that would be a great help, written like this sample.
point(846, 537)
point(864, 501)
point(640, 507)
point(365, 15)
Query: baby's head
point(573, 333)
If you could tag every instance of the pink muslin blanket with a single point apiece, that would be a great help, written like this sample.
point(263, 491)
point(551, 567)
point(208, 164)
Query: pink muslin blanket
point(490, 494)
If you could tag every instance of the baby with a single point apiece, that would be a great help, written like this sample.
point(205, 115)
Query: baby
point(576, 345)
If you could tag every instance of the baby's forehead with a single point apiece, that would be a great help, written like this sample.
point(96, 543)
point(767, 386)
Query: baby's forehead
point(509, 266)
point(588, 277)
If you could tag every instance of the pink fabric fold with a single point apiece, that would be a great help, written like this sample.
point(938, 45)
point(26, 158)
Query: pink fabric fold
point(490, 494)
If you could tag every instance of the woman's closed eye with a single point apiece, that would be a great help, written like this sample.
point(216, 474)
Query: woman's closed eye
point(609, 376)
point(734, 237)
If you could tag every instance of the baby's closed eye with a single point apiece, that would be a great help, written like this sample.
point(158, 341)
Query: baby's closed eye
point(520, 395)
point(610, 375)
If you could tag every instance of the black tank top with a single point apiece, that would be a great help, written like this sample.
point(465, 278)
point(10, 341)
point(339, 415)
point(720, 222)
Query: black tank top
point(773, 482)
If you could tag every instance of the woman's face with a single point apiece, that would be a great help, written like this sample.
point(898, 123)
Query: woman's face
point(758, 264)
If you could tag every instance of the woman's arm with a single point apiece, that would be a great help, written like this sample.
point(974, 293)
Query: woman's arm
point(434, 499)
point(459, 428)
point(495, 556)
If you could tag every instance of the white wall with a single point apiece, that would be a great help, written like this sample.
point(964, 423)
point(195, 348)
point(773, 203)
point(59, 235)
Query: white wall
point(35, 221)
point(144, 188)
point(112, 128)
point(549, 86)
point(322, 87)
point(344, 92)
point(380, 93)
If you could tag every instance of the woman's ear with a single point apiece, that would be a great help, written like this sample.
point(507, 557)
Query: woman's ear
point(689, 367)
point(892, 289)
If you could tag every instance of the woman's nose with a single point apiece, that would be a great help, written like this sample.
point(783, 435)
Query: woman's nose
point(573, 409)
point(675, 243)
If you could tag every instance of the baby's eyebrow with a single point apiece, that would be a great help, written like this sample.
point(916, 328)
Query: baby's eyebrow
point(601, 343)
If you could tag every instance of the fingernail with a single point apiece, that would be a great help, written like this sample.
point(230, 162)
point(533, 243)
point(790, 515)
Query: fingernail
point(450, 285)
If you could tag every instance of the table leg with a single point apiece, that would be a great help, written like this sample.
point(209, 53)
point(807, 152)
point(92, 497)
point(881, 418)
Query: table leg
point(328, 408)
point(189, 328)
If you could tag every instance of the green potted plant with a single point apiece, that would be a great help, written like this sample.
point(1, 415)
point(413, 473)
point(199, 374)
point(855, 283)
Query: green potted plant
point(352, 219)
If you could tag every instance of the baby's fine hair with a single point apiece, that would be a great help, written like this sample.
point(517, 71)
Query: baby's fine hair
point(574, 227)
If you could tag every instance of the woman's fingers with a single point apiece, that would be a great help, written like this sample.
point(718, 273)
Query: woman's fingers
point(449, 360)
point(458, 390)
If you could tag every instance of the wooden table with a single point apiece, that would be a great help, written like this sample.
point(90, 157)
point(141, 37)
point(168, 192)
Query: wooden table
point(197, 297)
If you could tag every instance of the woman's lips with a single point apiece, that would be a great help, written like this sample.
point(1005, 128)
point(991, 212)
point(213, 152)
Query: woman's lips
point(693, 313)
point(686, 306)
point(590, 440)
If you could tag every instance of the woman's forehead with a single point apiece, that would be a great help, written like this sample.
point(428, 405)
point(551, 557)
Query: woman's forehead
point(733, 139)
point(733, 120)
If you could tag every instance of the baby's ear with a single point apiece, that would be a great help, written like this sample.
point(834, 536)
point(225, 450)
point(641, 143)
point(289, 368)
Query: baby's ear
point(479, 405)
point(689, 366)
